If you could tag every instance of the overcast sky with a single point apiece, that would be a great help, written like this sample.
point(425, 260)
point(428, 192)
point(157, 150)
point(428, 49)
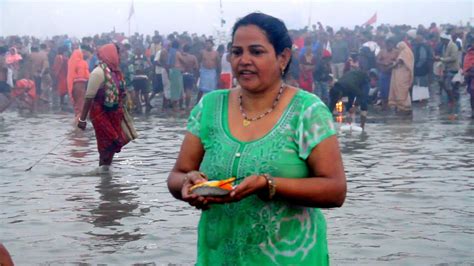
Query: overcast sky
point(86, 17)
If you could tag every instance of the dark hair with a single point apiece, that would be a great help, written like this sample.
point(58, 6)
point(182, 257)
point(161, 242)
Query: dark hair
point(43, 46)
point(34, 49)
point(221, 48)
point(210, 41)
point(86, 48)
point(186, 48)
point(275, 30)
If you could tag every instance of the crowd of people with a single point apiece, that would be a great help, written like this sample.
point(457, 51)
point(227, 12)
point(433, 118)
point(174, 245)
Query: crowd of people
point(368, 65)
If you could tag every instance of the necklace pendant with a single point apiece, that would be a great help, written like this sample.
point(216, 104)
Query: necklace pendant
point(246, 123)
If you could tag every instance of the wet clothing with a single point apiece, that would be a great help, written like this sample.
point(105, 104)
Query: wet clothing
point(23, 84)
point(176, 83)
point(188, 81)
point(107, 124)
point(207, 79)
point(108, 121)
point(253, 231)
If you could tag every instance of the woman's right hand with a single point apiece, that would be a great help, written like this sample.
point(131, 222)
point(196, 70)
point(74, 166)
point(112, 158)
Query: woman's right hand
point(193, 178)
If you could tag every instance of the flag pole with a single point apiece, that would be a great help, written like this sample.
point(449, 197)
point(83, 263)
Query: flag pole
point(310, 14)
point(130, 14)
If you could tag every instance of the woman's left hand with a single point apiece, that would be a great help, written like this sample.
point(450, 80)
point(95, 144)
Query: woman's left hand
point(250, 185)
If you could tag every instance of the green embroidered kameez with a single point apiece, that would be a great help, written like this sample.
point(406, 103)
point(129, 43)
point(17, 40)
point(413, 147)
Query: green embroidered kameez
point(252, 231)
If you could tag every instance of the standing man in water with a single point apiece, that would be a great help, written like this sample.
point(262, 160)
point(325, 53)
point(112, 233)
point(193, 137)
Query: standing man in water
point(210, 65)
point(189, 66)
point(39, 66)
point(449, 59)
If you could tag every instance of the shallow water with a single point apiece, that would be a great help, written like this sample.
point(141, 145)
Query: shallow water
point(410, 194)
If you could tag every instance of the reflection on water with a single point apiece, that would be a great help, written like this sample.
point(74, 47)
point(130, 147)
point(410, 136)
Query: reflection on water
point(410, 198)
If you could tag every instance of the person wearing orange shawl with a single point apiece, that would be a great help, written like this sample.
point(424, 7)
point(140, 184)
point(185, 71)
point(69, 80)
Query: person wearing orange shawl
point(24, 92)
point(468, 70)
point(77, 76)
point(60, 74)
point(104, 99)
point(402, 79)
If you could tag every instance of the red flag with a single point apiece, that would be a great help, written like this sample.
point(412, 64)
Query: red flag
point(371, 21)
point(132, 11)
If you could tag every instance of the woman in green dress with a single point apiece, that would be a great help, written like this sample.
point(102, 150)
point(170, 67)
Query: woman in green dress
point(279, 141)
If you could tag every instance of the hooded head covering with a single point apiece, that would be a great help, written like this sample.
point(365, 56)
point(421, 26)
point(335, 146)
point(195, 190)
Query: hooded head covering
point(13, 56)
point(77, 68)
point(109, 55)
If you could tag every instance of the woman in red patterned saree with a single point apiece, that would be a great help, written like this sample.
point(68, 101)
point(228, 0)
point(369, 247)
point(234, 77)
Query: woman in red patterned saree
point(104, 97)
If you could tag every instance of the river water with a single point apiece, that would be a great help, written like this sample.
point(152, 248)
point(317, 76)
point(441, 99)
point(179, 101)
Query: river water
point(410, 194)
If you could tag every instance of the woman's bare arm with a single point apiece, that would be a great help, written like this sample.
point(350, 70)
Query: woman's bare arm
point(189, 159)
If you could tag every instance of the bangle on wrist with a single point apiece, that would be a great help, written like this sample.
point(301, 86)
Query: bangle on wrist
point(271, 186)
point(82, 121)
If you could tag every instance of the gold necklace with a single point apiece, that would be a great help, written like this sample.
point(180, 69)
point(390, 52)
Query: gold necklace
point(247, 120)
